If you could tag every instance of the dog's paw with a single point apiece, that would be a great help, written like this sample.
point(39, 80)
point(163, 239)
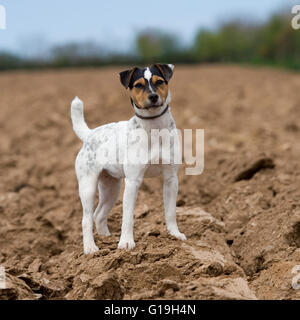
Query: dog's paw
point(90, 248)
point(126, 244)
point(102, 230)
point(178, 235)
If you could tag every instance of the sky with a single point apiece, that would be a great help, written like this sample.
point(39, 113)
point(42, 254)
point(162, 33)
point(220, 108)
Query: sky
point(32, 26)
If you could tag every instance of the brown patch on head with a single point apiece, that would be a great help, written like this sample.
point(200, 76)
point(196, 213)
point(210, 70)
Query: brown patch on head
point(141, 81)
point(161, 87)
point(138, 93)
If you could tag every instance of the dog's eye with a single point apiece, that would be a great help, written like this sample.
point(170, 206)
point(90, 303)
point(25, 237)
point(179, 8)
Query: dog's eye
point(158, 82)
point(139, 85)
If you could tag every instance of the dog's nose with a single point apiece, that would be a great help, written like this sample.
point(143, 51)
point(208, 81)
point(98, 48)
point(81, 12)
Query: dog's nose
point(153, 97)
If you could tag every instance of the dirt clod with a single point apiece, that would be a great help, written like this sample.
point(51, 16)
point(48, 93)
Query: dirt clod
point(251, 170)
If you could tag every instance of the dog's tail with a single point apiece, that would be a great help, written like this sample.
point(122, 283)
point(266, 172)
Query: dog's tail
point(79, 126)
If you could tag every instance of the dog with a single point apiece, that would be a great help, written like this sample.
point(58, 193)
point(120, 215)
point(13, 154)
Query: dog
point(150, 98)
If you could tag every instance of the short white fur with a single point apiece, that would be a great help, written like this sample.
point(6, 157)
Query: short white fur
point(92, 173)
point(148, 76)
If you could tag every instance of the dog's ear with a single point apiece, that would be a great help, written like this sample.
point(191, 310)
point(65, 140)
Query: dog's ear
point(166, 70)
point(125, 77)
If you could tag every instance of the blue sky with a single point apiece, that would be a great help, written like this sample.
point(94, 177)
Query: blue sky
point(34, 25)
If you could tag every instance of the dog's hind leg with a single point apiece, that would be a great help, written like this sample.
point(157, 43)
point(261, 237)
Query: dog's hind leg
point(87, 190)
point(109, 191)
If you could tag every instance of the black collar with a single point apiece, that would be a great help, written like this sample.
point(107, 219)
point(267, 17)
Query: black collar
point(152, 117)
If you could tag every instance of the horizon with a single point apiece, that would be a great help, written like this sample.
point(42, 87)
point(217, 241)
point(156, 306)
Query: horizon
point(34, 27)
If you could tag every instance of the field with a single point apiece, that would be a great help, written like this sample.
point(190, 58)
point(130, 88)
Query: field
point(241, 216)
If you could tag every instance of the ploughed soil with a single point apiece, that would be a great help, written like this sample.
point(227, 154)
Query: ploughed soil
point(241, 216)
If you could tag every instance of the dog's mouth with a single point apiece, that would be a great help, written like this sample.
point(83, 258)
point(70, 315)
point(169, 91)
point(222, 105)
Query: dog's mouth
point(154, 106)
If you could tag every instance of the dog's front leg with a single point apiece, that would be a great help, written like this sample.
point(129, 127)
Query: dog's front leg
point(130, 195)
point(170, 191)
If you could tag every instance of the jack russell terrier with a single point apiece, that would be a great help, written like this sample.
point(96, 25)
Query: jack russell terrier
point(150, 98)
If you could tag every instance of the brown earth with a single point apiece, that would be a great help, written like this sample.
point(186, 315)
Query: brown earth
point(241, 216)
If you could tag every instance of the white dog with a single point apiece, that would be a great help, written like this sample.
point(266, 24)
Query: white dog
point(150, 98)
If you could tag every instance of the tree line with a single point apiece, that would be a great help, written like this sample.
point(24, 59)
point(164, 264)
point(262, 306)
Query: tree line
point(273, 42)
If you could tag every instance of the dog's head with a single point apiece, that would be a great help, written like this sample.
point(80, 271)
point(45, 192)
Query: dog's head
point(148, 86)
